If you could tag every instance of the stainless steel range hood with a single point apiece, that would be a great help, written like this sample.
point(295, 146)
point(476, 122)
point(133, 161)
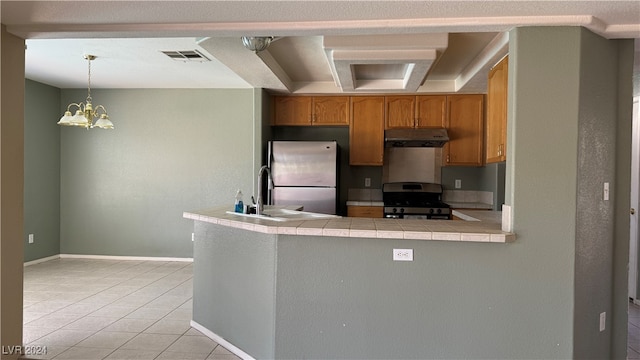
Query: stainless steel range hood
point(415, 137)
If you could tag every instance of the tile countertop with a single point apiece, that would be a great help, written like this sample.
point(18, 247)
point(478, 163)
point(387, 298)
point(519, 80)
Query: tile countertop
point(481, 226)
point(469, 205)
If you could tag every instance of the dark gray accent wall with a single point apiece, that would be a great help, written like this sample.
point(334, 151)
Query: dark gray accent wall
point(490, 177)
point(41, 170)
point(123, 191)
point(350, 176)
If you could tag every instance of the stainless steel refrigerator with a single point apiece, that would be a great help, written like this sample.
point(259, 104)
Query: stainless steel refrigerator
point(304, 173)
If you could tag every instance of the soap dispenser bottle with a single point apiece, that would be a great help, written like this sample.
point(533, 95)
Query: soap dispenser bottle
point(239, 205)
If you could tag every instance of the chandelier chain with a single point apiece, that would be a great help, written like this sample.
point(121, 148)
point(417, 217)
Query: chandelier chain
point(89, 83)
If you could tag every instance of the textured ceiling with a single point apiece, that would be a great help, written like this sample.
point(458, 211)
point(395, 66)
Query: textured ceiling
point(132, 33)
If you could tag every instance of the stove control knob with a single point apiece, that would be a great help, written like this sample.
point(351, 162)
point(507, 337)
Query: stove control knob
point(402, 210)
point(439, 211)
point(395, 210)
point(430, 211)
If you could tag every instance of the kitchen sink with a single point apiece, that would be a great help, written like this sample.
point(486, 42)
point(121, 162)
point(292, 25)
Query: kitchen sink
point(285, 215)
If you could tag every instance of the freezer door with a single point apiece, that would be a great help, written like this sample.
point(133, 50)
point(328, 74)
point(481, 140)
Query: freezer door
point(303, 163)
point(319, 200)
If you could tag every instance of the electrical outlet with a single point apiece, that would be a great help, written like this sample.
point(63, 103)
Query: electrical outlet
point(402, 254)
point(605, 194)
point(367, 182)
point(31, 239)
point(603, 320)
point(458, 183)
point(193, 236)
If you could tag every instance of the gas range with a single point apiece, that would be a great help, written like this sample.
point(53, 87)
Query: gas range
point(414, 200)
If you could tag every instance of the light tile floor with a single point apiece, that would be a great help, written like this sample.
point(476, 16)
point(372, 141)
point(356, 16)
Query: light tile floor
point(111, 309)
point(108, 309)
point(633, 338)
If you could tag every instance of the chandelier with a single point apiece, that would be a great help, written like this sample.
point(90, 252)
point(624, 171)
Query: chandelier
point(85, 112)
point(256, 44)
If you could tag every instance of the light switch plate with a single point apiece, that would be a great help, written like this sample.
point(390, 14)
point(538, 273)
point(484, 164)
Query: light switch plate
point(458, 183)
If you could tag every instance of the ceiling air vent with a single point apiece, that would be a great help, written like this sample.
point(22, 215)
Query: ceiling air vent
point(187, 55)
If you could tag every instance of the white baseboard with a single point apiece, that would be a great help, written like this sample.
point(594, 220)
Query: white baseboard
point(106, 257)
point(115, 257)
point(38, 261)
point(215, 337)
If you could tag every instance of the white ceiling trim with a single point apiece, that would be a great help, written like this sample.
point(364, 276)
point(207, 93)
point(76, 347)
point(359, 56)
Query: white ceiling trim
point(415, 53)
point(338, 27)
point(486, 59)
point(345, 63)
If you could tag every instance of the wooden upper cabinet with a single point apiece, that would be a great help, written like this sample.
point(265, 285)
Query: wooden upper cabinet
point(400, 112)
point(497, 112)
point(308, 110)
point(421, 111)
point(292, 110)
point(431, 111)
point(331, 110)
point(366, 131)
point(465, 128)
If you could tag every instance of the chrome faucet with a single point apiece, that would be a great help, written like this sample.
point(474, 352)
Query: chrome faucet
point(260, 205)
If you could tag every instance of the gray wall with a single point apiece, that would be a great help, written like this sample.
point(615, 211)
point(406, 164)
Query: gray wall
point(562, 146)
point(123, 191)
point(620, 301)
point(539, 297)
point(234, 286)
point(598, 72)
point(41, 170)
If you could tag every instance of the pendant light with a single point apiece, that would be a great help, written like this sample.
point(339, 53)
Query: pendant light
point(256, 44)
point(85, 112)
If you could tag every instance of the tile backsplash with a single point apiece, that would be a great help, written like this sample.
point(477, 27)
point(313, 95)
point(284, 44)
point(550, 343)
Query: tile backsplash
point(467, 196)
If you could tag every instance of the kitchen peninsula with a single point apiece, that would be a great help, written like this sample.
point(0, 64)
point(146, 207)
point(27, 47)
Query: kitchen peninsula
point(329, 288)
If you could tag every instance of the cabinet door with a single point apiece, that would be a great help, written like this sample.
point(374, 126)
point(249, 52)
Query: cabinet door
point(365, 211)
point(400, 112)
point(497, 112)
point(465, 125)
point(331, 110)
point(366, 131)
point(292, 110)
point(431, 111)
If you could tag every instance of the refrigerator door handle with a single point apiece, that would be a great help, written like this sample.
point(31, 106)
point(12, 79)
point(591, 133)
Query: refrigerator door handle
point(269, 179)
